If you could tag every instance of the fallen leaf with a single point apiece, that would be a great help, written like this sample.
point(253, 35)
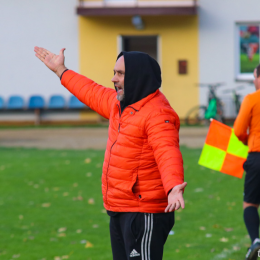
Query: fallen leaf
point(57, 258)
point(91, 201)
point(20, 216)
point(61, 235)
point(78, 231)
point(46, 205)
point(177, 250)
point(36, 186)
point(187, 245)
point(88, 244)
point(202, 228)
point(80, 198)
point(88, 160)
point(24, 227)
point(236, 248)
point(65, 194)
point(62, 229)
point(223, 239)
point(95, 226)
point(103, 211)
point(88, 174)
point(199, 190)
point(216, 226)
point(65, 257)
point(228, 229)
point(75, 184)
point(56, 188)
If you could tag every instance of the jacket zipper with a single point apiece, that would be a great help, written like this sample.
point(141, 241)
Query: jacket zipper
point(111, 150)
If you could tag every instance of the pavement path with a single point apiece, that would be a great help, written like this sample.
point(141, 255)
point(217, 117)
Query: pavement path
point(81, 138)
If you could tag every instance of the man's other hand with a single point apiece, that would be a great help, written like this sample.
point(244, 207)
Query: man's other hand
point(52, 61)
point(175, 198)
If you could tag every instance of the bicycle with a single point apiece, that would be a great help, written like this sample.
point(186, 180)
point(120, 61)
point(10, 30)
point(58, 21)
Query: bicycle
point(235, 96)
point(200, 115)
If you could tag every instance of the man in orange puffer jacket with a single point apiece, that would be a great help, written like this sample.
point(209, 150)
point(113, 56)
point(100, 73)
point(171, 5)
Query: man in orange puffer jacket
point(142, 179)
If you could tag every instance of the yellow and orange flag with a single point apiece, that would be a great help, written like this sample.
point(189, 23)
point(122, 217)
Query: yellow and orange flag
point(223, 151)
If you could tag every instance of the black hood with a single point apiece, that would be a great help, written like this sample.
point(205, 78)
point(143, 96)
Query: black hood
point(142, 77)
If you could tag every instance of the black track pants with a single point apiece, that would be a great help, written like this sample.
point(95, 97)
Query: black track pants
point(139, 236)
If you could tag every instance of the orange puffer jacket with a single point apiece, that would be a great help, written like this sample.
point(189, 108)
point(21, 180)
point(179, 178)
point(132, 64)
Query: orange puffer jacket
point(142, 159)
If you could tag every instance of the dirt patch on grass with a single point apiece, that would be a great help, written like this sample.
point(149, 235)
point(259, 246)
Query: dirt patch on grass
point(81, 138)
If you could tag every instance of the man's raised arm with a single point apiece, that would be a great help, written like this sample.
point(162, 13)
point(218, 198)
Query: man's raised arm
point(95, 96)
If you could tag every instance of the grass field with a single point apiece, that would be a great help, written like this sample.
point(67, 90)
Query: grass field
point(51, 208)
point(247, 66)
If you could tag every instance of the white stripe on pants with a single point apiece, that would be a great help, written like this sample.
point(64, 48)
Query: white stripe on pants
point(146, 240)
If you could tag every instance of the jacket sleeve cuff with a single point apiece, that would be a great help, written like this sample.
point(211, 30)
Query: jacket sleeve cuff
point(63, 73)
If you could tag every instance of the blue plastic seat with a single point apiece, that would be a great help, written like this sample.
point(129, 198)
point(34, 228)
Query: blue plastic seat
point(36, 102)
point(56, 102)
point(1, 103)
point(74, 103)
point(15, 102)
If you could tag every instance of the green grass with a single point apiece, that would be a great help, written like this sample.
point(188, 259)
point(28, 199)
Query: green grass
point(42, 191)
point(247, 66)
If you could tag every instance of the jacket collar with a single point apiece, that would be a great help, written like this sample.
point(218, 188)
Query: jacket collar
point(138, 105)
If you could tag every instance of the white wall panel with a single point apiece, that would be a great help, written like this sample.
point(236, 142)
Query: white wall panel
point(52, 24)
point(217, 36)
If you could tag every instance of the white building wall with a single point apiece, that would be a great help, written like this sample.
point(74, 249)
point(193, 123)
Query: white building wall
point(52, 24)
point(217, 42)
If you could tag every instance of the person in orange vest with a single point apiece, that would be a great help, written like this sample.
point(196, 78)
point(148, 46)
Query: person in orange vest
point(247, 129)
point(142, 176)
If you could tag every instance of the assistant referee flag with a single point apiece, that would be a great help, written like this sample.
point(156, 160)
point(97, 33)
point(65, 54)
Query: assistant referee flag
point(223, 151)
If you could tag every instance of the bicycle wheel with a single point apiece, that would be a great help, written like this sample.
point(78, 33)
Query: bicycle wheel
point(220, 112)
point(196, 116)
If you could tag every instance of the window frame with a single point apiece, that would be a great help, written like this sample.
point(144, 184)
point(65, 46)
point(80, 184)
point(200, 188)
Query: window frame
point(238, 75)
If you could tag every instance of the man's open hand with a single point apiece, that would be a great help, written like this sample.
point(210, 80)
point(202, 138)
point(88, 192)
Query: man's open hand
point(175, 198)
point(52, 61)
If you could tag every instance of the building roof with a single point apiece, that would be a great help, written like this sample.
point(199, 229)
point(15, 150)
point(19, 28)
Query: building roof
point(137, 7)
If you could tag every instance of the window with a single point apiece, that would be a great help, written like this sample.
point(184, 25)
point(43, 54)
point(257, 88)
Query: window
point(147, 44)
point(247, 50)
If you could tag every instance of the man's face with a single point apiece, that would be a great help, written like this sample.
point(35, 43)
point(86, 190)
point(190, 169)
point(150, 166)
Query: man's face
point(119, 78)
point(256, 80)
